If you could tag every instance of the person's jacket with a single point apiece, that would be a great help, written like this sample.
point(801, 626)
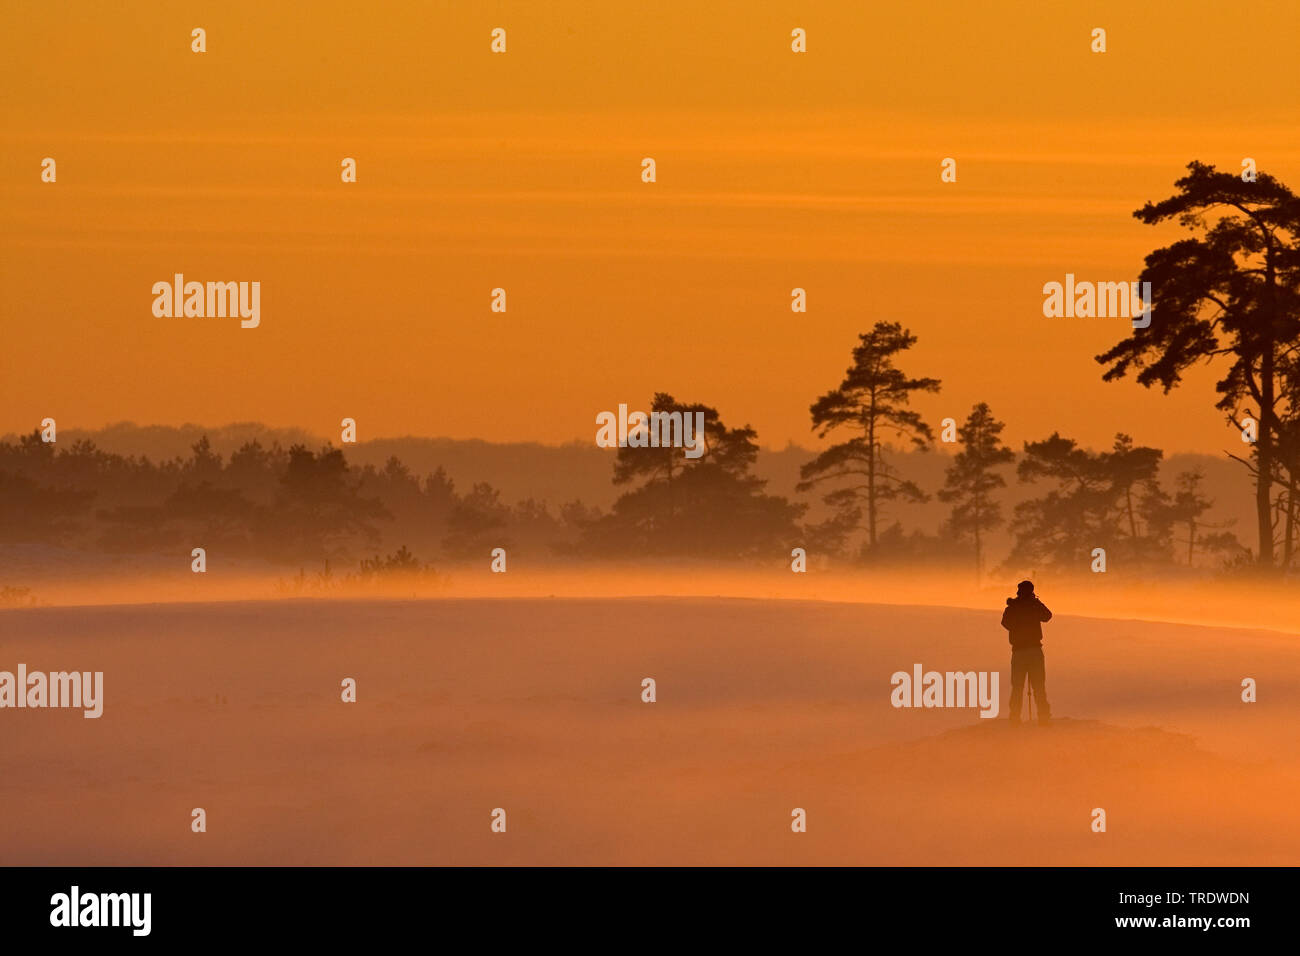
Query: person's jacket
point(1024, 619)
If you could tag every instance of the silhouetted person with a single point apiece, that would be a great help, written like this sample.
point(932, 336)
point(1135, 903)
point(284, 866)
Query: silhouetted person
point(1024, 619)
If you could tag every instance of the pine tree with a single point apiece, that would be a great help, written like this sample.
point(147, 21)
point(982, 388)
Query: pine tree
point(971, 479)
point(871, 402)
point(1230, 296)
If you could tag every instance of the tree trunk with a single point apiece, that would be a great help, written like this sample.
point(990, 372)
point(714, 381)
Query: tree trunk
point(1267, 422)
point(1264, 451)
point(1289, 539)
point(871, 475)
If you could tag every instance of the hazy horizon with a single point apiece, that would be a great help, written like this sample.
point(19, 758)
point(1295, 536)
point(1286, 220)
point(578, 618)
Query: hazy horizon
point(811, 444)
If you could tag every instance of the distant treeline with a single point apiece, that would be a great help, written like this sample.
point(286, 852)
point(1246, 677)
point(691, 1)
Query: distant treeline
point(299, 505)
point(287, 505)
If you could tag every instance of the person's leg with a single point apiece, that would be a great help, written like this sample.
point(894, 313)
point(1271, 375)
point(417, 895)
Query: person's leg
point(1038, 681)
point(1018, 674)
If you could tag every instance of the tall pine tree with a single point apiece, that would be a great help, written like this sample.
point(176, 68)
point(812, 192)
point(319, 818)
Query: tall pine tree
point(971, 479)
point(869, 404)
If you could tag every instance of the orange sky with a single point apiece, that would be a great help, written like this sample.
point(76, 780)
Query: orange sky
point(522, 171)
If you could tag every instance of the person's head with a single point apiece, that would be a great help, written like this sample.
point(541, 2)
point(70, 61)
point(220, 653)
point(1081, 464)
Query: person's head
point(1025, 589)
